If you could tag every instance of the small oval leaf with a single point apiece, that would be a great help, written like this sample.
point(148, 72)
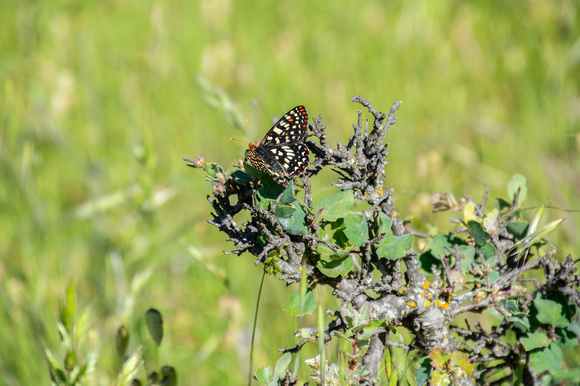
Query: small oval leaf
point(336, 267)
point(154, 323)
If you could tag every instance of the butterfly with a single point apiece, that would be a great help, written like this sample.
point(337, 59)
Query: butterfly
point(282, 152)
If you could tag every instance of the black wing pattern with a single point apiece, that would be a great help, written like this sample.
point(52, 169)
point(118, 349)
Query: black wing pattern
point(282, 152)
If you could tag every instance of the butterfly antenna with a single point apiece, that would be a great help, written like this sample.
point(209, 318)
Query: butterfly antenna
point(239, 140)
point(248, 125)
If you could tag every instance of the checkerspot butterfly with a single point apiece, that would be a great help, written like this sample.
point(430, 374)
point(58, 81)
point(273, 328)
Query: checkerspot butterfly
point(282, 152)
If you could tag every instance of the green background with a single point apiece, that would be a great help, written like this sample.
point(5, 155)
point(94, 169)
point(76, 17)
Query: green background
point(101, 99)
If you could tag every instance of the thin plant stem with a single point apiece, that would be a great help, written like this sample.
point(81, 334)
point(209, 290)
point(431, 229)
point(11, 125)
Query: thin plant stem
point(254, 328)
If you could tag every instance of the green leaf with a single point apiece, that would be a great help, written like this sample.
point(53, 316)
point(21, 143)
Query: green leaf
point(262, 240)
point(509, 305)
point(289, 212)
point(121, 341)
point(321, 344)
point(468, 253)
point(490, 219)
point(252, 171)
point(535, 340)
point(293, 222)
point(394, 247)
point(521, 322)
point(338, 237)
point(570, 334)
point(370, 331)
point(55, 366)
point(334, 234)
point(271, 190)
point(367, 334)
point(154, 323)
point(550, 312)
point(356, 229)
point(264, 375)
point(519, 373)
point(439, 358)
point(573, 376)
point(550, 358)
point(427, 261)
point(323, 249)
point(392, 373)
point(503, 203)
point(211, 170)
point(284, 210)
point(432, 230)
point(67, 309)
point(440, 378)
point(423, 372)
point(82, 325)
point(372, 325)
point(131, 367)
point(517, 228)
point(349, 338)
point(281, 367)
point(438, 245)
point(356, 319)
point(492, 277)
point(336, 206)
point(294, 306)
point(517, 182)
point(288, 195)
point(489, 253)
point(535, 221)
point(518, 318)
point(539, 235)
point(385, 223)
point(461, 361)
point(241, 177)
point(336, 267)
point(479, 235)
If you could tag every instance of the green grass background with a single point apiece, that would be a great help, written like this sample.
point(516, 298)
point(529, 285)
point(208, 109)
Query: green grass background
point(99, 100)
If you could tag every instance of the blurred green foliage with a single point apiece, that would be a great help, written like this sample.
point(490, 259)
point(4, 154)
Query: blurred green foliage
point(100, 100)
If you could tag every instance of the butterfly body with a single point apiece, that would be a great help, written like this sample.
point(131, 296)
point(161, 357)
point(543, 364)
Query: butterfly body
point(282, 152)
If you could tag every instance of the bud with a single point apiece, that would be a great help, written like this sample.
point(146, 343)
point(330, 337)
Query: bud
point(218, 189)
point(199, 162)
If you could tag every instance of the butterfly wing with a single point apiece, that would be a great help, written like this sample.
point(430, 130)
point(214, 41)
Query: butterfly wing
point(290, 128)
point(285, 161)
point(282, 153)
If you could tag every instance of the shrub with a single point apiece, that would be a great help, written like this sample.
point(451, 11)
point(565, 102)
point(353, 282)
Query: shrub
point(388, 277)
